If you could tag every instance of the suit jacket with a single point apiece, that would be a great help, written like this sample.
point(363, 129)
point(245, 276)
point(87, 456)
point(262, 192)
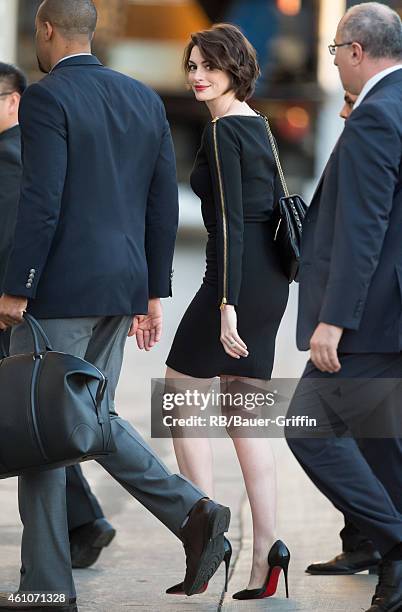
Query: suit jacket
point(351, 264)
point(10, 180)
point(98, 210)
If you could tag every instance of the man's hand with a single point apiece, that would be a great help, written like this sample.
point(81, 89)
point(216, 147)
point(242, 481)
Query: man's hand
point(148, 328)
point(324, 344)
point(11, 310)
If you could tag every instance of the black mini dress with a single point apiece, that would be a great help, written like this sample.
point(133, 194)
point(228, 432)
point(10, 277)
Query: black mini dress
point(235, 177)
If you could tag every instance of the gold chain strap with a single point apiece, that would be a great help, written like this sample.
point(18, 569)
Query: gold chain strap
point(276, 155)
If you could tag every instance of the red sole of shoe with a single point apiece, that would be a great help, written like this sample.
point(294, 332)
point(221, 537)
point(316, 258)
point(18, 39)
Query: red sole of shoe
point(272, 583)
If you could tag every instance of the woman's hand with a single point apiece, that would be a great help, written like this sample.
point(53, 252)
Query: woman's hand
point(232, 343)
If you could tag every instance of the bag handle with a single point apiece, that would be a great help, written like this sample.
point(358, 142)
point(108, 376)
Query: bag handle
point(37, 333)
point(276, 154)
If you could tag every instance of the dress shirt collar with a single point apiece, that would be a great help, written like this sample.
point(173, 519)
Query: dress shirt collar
point(373, 82)
point(67, 57)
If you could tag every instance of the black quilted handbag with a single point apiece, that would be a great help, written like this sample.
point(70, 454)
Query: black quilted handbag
point(288, 219)
point(53, 409)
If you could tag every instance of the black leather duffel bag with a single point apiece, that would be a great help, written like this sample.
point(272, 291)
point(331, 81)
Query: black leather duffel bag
point(53, 409)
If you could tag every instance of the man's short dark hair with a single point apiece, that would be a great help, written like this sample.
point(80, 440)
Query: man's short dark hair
point(12, 79)
point(72, 17)
point(376, 27)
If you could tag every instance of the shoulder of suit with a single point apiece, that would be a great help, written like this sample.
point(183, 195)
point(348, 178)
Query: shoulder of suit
point(49, 94)
point(39, 87)
point(10, 153)
point(38, 97)
point(47, 82)
point(146, 90)
point(385, 99)
point(379, 109)
point(130, 81)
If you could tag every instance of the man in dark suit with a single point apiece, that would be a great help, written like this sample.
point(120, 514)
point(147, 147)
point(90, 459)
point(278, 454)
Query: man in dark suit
point(89, 531)
point(358, 552)
point(350, 300)
point(91, 258)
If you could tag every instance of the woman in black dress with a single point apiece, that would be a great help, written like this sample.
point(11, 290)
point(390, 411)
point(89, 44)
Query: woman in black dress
point(230, 327)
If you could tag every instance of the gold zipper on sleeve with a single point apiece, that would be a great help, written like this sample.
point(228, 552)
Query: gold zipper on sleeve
point(225, 228)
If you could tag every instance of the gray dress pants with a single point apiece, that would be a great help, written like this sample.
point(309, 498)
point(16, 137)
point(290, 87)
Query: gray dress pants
point(45, 552)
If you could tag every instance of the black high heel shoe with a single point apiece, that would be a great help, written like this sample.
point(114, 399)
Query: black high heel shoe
point(178, 589)
point(278, 559)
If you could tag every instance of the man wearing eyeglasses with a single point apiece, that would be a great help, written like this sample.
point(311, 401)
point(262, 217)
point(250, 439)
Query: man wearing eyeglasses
point(358, 552)
point(350, 299)
point(89, 531)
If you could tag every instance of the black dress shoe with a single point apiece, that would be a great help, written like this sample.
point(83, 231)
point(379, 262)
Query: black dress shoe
point(363, 558)
point(7, 602)
point(388, 593)
point(203, 540)
point(178, 589)
point(87, 541)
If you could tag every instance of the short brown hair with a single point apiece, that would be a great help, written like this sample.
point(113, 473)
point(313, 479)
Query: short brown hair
point(226, 48)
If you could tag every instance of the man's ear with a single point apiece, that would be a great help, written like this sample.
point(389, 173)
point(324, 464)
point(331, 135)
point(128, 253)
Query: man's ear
point(357, 53)
point(48, 30)
point(14, 102)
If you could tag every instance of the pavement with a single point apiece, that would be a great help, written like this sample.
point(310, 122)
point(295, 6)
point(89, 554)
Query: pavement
point(145, 558)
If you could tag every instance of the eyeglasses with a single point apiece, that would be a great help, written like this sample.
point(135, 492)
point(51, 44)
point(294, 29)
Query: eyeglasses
point(6, 93)
point(332, 48)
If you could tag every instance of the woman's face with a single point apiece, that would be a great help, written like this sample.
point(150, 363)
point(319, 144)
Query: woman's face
point(207, 83)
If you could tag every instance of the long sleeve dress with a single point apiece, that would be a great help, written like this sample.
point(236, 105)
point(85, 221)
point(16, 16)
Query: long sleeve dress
point(235, 177)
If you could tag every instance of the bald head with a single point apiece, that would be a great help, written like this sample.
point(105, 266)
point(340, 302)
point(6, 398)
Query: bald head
point(376, 27)
point(75, 19)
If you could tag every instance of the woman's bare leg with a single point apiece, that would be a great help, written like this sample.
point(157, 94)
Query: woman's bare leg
point(194, 455)
point(257, 463)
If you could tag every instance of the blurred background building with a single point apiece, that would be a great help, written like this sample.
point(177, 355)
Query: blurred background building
point(299, 88)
